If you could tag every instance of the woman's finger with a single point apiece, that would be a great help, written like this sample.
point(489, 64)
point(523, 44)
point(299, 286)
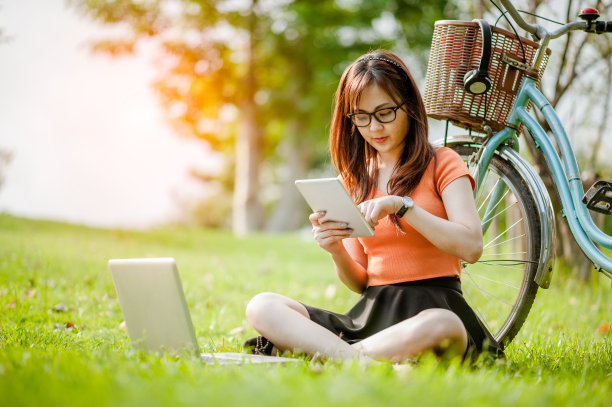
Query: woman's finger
point(330, 239)
point(368, 216)
point(315, 217)
point(376, 209)
point(363, 208)
point(322, 234)
point(375, 215)
point(332, 225)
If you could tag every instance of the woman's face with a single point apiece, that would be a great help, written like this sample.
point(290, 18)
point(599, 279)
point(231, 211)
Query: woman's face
point(386, 138)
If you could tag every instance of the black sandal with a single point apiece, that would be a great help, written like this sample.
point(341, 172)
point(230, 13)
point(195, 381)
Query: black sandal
point(259, 346)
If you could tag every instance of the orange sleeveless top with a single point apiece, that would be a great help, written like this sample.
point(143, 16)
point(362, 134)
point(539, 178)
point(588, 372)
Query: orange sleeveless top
point(390, 257)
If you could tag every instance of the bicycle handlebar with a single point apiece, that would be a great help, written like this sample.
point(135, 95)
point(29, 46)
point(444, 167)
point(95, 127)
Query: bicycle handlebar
point(534, 29)
point(597, 27)
point(603, 27)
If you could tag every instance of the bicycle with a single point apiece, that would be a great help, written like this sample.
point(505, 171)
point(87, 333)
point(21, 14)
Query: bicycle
point(486, 79)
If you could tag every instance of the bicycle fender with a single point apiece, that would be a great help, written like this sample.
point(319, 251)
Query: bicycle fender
point(545, 209)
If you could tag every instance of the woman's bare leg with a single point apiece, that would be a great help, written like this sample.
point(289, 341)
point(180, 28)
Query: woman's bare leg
point(286, 323)
point(436, 329)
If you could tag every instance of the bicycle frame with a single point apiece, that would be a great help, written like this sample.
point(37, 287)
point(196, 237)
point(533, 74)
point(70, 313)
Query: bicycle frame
point(564, 170)
point(517, 216)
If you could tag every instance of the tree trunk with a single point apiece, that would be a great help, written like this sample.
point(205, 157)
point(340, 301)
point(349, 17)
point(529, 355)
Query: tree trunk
point(289, 211)
point(247, 211)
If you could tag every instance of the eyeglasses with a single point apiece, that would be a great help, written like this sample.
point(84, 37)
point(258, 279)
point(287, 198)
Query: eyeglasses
point(384, 115)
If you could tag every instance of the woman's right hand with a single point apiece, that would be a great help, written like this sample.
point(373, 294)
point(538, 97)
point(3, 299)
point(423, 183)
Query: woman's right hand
point(329, 234)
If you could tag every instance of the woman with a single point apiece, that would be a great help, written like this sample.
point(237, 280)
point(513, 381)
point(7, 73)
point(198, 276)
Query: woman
point(420, 202)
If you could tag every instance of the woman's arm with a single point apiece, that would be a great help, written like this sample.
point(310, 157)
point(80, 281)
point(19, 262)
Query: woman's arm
point(329, 236)
point(460, 235)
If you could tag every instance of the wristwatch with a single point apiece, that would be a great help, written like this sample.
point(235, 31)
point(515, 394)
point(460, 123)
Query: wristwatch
point(407, 204)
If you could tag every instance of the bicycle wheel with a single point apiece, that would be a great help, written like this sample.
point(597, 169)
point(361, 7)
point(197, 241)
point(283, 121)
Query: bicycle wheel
point(500, 287)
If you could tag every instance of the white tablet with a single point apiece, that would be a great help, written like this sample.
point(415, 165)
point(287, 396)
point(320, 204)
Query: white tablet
point(328, 194)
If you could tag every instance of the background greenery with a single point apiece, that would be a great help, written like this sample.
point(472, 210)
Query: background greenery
point(61, 343)
point(255, 80)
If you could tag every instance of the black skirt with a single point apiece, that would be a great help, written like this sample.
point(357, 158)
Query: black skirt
point(383, 306)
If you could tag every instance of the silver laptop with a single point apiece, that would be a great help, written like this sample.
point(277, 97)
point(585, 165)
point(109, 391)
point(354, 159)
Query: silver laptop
point(156, 313)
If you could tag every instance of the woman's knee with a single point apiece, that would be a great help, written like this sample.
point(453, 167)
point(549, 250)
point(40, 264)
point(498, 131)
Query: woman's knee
point(446, 328)
point(263, 305)
point(259, 306)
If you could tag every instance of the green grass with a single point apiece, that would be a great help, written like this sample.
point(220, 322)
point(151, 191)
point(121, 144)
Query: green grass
point(562, 356)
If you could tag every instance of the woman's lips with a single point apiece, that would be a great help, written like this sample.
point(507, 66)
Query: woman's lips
point(380, 140)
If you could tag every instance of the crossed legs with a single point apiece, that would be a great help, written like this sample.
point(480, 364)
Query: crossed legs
point(286, 323)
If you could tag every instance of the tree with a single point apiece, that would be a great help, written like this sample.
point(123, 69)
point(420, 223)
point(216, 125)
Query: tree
point(269, 68)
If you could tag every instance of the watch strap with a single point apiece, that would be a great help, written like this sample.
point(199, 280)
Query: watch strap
point(407, 203)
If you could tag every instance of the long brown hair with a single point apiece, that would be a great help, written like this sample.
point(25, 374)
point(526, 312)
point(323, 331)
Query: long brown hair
point(352, 156)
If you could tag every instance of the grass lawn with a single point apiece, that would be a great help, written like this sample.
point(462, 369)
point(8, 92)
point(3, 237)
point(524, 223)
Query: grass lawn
point(61, 343)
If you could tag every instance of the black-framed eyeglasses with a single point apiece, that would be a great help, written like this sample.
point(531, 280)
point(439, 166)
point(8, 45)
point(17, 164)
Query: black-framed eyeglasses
point(384, 115)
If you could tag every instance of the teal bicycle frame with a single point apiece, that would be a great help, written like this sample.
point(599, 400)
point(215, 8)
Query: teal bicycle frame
point(564, 171)
point(517, 215)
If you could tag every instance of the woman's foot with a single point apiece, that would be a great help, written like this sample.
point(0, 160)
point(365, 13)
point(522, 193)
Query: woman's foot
point(261, 346)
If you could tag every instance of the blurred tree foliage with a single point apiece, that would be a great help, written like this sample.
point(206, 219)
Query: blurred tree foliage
point(255, 79)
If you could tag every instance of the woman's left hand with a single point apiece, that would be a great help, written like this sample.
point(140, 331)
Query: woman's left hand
point(376, 209)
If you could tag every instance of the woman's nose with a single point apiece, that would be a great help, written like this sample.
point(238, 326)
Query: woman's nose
point(375, 125)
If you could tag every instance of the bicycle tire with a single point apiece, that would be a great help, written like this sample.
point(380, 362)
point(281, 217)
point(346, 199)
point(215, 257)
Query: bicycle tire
point(500, 287)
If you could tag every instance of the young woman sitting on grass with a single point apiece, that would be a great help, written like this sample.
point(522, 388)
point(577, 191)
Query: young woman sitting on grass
point(419, 201)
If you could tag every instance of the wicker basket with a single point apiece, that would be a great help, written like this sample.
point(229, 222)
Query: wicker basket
point(455, 50)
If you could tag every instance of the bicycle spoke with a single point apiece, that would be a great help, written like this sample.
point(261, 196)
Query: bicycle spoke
point(483, 292)
point(484, 320)
point(508, 261)
point(493, 281)
point(500, 212)
point(501, 265)
point(505, 254)
point(505, 241)
point(486, 199)
point(504, 232)
point(488, 296)
point(500, 200)
point(483, 184)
